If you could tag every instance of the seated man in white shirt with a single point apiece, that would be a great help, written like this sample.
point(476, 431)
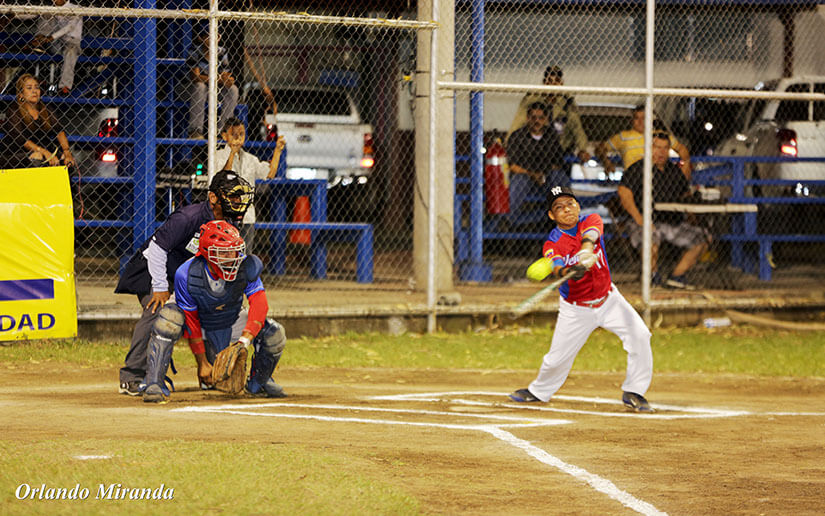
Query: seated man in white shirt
point(232, 157)
point(62, 33)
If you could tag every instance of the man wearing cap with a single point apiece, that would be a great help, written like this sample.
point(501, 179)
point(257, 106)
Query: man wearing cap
point(588, 300)
point(150, 272)
point(563, 115)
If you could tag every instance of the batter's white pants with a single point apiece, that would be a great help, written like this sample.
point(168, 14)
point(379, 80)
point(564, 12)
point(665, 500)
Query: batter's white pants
point(574, 326)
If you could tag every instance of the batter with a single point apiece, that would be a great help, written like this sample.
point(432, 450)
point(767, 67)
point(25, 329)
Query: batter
point(588, 300)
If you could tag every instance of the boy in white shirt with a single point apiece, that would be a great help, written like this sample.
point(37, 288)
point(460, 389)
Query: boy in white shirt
point(232, 157)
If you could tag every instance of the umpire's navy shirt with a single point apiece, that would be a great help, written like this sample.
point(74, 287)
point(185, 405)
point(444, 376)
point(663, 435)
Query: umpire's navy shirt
point(174, 237)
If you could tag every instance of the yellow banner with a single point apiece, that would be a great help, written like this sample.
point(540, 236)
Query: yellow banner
point(37, 290)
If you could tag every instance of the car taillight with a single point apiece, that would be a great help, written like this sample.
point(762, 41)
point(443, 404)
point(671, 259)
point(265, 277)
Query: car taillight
point(108, 156)
point(367, 161)
point(108, 128)
point(271, 132)
point(786, 139)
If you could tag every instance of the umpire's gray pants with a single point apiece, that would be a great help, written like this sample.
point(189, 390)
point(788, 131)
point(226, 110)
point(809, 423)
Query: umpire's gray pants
point(134, 366)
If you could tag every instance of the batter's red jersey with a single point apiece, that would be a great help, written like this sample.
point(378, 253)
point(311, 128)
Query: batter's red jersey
point(561, 247)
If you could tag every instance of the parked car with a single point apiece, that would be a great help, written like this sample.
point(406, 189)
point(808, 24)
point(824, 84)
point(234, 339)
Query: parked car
point(783, 128)
point(701, 123)
point(325, 139)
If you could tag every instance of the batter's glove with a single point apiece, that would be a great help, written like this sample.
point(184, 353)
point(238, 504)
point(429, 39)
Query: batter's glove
point(229, 369)
point(586, 258)
point(578, 271)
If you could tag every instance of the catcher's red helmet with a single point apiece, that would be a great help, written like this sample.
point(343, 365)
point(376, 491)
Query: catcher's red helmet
point(222, 246)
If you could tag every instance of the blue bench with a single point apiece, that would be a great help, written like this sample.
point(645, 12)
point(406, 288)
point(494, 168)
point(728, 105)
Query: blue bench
point(323, 232)
point(729, 171)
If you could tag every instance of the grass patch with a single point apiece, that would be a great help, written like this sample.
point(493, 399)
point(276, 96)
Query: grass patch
point(737, 349)
point(747, 350)
point(207, 478)
point(70, 351)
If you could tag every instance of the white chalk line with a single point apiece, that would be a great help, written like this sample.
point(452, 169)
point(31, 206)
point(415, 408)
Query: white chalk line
point(251, 410)
point(688, 412)
point(596, 482)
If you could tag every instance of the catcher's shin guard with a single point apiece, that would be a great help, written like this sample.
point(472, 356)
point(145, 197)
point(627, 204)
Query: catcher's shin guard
point(269, 345)
point(166, 330)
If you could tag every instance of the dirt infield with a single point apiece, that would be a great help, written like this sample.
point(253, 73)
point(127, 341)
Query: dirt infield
point(717, 444)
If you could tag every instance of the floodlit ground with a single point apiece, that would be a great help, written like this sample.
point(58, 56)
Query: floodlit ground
point(438, 441)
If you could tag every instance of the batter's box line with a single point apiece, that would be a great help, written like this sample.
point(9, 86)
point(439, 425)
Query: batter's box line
point(688, 412)
point(253, 410)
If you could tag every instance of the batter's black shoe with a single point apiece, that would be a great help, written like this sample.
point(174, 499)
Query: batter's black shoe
point(636, 402)
point(523, 396)
point(131, 388)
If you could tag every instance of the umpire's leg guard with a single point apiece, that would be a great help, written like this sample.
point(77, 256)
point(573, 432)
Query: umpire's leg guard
point(269, 345)
point(166, 331)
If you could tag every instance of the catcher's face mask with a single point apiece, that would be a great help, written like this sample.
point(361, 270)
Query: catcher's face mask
point(222, 246)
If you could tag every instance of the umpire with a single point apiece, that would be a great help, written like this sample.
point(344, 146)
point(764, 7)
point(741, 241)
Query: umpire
point(150, 272)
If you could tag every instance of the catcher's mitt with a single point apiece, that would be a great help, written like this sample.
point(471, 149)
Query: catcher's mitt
point(229, 369)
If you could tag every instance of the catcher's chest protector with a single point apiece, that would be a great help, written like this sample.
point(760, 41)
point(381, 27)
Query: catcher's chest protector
point(219, 302)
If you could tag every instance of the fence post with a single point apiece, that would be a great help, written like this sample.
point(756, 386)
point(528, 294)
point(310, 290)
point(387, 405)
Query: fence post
point(475, 269)
point(144, 109)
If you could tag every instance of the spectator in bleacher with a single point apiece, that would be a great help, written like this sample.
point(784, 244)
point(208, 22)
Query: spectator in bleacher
point(562, 112)
point(536, 158)
point(34, 136)
point(630, 144)
point(196, 91)
point(232, 157)
point(63, 35)
point(669, 186)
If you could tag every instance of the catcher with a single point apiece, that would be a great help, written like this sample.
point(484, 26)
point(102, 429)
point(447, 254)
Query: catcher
point(209, 292)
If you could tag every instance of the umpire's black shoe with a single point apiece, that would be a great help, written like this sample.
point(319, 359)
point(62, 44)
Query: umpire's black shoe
point(523, 396)
point(636, 402)
point(130, 388)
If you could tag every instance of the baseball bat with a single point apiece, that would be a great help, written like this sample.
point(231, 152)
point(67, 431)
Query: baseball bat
point(530, 303)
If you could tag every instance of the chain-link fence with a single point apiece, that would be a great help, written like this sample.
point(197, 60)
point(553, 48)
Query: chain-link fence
point(321, 107)
point(739, 169)
point(306, 105)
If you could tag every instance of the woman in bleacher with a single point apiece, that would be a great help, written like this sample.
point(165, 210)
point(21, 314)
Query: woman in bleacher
point(33, 136)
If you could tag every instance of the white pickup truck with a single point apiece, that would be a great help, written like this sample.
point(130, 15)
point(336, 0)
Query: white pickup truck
point(783, 128)
point(326, 139)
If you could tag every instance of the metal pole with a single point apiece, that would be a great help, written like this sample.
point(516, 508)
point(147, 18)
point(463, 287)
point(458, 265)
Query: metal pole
point(475, 271)
point(647, 191)
point(145, 84)
point(632, 92)
point(431, 208)
point(212, 93)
